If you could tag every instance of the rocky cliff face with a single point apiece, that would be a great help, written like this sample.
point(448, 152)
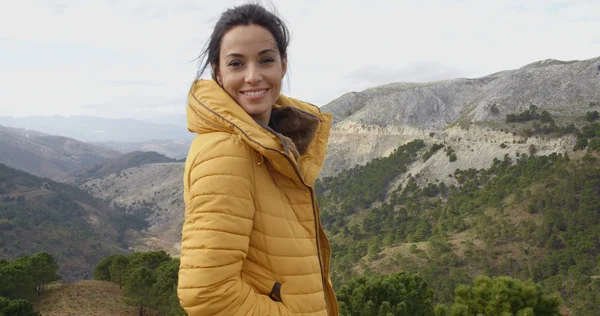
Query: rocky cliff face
point(374, 122)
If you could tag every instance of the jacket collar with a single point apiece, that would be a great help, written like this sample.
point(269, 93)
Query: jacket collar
point(294, 142)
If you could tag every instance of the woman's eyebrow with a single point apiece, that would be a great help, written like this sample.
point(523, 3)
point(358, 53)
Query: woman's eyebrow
point(268, 50)
point(238, 55)
point(262, 52)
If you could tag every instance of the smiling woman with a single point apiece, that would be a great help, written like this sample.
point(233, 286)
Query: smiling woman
point(252, 240)
point(251, 69)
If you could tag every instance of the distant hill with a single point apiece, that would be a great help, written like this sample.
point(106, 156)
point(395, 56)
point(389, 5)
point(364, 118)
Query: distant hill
point(177, 149)
point(157, 187)
point(42, 215)
point(85, 298)
point(46, 155)
point(99, 129)
point(115, 165)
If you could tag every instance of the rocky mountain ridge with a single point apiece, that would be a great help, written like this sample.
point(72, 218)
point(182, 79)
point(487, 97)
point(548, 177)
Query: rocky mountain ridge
point(374, 122)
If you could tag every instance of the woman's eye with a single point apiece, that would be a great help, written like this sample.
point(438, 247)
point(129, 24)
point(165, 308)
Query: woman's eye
point(235, 63)
point(267, 60)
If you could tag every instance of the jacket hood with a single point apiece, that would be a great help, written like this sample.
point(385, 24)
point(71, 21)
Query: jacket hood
point(294, 142)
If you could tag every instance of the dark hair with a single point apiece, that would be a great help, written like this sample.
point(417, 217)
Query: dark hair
point(247, 14)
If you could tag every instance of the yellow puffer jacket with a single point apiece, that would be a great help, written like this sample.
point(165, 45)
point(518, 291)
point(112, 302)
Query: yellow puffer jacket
point(252, 241)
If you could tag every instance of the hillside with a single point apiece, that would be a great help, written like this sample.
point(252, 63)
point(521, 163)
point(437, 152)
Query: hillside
point(91, 298)
point(475, 144)
point(47, 155)
point(42, 215)
point(533, 217)
point(176, 149)
point(115, 165)
point(156, 187)
point(372, 123)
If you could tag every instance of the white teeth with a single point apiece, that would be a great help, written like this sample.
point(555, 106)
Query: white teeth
point(254, 93)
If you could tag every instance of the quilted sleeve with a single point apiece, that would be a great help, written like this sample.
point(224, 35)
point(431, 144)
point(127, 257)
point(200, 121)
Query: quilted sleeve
point(216, 231)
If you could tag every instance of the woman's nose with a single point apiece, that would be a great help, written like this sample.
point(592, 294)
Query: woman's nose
point(253, 74)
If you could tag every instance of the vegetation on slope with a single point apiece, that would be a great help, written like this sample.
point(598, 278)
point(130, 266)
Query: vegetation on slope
point(149, 280)
point(40, 214)
point(115, 165)
point(23, 280)
point(536, 218)
point(360, 186)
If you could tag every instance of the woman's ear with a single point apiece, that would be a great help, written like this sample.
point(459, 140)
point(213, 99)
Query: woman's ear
point(284, 65)
point(217, 74)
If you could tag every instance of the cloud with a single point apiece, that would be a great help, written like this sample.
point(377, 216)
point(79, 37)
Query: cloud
point(117, 58)
point(375, 75)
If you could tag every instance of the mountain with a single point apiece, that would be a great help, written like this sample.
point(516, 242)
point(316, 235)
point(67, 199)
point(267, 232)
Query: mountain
point(42, 215)
point(115, 165)
point(358, 138)
point(468, 114)
point(177, 149)
point(98, 129)
point(47, 155)
point(157, 188)
point(533, 218)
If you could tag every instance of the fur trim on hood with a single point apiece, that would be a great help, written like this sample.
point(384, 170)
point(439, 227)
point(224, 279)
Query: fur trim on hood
point(297, 128)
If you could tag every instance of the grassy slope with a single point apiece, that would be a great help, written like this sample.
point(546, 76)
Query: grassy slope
point(86, 297)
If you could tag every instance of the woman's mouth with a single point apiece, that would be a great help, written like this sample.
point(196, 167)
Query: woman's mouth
point(255, 93)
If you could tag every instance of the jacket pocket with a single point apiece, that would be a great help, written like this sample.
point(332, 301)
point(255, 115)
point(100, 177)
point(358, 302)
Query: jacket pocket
point(275, 294)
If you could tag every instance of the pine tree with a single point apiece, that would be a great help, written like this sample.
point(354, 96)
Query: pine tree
point(43, 268)
point(502, 296)
point(118, 269)
point(138, 287)
point(164, 291)
point(17, 281)
point(396, 294)
point(102, 269)
point(17, 307)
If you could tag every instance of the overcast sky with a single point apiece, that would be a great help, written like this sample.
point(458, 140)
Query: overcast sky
point(136, 58)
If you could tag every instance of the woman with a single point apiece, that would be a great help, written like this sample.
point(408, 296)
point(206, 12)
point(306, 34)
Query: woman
point(252, 241)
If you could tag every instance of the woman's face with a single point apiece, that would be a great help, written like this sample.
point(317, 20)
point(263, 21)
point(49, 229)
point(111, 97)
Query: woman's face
point(251, 69)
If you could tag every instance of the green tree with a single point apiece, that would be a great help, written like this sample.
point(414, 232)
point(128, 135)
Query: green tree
point(138, 287)
point(592, 116)
point(150, 260)
point(16, 281)
point(502, 296)
point(102, 269)
point(118, 269)
point(17, 307)
point(581, 143)
point(42, 267)
point(164, 290)
point(393, 294)
point(545, 117)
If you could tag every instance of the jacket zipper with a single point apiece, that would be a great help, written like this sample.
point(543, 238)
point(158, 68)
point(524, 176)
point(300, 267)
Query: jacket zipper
point(312, 198)
point(289, 159)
